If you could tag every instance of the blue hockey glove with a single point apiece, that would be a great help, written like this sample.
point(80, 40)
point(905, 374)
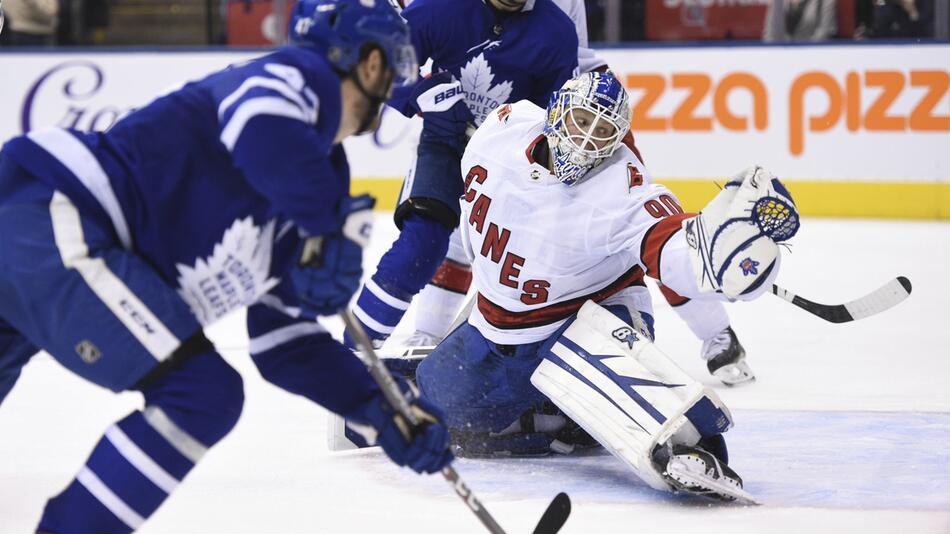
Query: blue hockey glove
point(424, 448)
point(445, 116)
point(331, 265)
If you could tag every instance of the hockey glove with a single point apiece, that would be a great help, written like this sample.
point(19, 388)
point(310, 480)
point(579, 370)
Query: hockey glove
point(734, 240)
point(330, 266)
point(445, 116)
point(424, 448)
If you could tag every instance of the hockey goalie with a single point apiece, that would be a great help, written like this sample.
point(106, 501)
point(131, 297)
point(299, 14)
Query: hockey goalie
point(562, 222)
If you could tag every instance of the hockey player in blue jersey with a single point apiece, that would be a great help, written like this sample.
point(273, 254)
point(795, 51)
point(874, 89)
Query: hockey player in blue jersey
point(484, 54)
point(117, 248)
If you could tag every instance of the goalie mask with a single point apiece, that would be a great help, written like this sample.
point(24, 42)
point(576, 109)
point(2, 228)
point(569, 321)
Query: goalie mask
point(586, 121)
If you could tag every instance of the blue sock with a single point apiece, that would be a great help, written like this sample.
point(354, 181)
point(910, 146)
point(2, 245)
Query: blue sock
point(141, 459)
point(402, 272)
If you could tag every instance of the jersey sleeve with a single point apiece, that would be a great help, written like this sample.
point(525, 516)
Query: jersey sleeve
point(278, 125)
point(301, 357)
point(648, 222)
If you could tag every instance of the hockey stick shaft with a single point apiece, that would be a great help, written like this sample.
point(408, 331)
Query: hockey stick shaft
point(884, 298)
point(393, 395)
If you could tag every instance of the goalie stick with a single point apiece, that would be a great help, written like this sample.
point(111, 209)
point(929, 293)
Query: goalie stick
point(556, 514)
point(885, 297)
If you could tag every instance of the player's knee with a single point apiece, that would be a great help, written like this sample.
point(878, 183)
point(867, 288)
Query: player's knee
point(435, 377)
point(204, 396)
point(225, 397)
point(426, 372)
point(448, 379)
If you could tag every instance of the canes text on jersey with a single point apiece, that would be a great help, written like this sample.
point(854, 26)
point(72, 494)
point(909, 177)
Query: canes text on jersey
point(495, 241)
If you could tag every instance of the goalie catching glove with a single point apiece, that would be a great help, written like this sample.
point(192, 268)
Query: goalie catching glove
point(423, 447)
point(733, 242)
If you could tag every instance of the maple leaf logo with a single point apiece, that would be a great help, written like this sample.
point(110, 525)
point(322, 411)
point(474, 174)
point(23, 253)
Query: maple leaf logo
point(233, 276)
point(480, 95)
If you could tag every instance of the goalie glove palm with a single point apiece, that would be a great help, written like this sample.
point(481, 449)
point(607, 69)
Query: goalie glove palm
point(734, 240)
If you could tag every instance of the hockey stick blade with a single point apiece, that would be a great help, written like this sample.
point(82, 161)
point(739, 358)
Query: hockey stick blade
point(555, 516)
point(884, 298)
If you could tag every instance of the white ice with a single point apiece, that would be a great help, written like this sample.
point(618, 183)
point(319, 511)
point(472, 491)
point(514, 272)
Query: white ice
point(846, 430)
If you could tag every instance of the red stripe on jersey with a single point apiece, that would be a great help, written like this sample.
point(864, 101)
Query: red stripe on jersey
point(656, 237)
point(452, 276)
point(674, 298)
point(632, 145)
point(506, 320)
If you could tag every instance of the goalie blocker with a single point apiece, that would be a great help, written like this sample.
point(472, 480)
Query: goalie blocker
point(610, 379)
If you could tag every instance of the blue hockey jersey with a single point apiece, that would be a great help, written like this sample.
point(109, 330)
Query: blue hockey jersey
point(201, 182)
point(498, 57)
point(214, 185)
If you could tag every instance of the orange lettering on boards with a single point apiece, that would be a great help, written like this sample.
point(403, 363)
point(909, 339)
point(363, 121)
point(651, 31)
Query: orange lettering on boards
point(796, 107)
point(864, 100)
point(760, 97)
point(847, 100)
point(922, 117)
point(697, 87)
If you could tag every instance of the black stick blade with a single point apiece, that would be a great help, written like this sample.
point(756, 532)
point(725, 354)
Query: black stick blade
point(906, 283)
point(555, 516)
point(883, 298)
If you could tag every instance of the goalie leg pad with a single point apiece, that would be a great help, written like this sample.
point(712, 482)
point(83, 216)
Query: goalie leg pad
point(612, 380)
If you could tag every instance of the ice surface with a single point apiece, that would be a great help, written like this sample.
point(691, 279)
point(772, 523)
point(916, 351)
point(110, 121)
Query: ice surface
point(845, 430)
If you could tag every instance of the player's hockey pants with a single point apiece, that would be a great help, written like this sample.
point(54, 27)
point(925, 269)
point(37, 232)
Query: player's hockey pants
point(68, 287)
point(482, 386)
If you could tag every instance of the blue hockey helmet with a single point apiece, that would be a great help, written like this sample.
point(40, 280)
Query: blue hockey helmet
point(587, 119)
point(341, 28)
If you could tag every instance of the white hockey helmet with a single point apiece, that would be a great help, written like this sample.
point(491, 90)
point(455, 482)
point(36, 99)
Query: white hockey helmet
point(586, 122)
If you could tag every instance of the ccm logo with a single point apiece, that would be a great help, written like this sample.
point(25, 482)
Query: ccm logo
point(864, 99)
point(445, 95)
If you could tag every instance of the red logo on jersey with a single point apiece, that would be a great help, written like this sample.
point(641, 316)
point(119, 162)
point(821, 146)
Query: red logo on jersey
point(633, 176)
point(503, 112)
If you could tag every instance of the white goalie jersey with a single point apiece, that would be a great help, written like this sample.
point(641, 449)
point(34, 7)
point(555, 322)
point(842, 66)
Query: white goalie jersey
point(540, 249)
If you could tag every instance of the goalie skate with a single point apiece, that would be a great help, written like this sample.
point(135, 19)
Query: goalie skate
point(725, 359)
point(695, 471)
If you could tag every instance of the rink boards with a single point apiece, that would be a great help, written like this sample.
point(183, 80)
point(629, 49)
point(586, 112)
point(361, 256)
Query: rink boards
point(856, 130)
